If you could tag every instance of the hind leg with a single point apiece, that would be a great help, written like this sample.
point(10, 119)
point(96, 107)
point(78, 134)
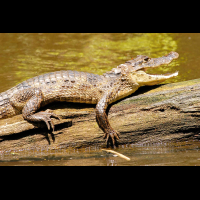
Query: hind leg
point(30, 101)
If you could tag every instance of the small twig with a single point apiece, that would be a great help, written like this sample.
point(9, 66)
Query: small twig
point(119, 154)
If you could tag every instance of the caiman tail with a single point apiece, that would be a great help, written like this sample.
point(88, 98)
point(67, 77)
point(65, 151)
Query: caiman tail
point(6, 109)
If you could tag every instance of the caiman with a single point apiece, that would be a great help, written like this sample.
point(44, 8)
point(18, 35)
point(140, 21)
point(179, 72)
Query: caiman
point(82, 87)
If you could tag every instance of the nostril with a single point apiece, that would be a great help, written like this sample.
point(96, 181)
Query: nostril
point(173, 54)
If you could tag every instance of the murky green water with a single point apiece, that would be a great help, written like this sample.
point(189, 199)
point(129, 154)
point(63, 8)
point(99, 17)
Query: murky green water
point(26, 55)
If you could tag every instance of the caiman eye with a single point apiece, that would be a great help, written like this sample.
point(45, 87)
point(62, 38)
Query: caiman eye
point(146, 59)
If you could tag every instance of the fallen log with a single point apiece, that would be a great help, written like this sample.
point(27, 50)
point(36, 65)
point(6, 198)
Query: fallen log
point(152, 114)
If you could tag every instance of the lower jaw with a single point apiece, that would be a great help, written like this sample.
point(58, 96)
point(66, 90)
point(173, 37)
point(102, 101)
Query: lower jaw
point(168, 75)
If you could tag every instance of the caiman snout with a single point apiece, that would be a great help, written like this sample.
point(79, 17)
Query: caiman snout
point(148, 79)
point(155, 62)
point(142, 62)
point(169, 57)
point(173, 54)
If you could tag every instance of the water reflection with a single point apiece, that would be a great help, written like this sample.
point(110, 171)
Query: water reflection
point(162, 154)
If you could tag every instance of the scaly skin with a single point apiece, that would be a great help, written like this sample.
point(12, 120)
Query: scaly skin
point(82, 87)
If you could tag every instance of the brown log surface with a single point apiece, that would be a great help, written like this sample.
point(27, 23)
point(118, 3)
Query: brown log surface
point(152, 114)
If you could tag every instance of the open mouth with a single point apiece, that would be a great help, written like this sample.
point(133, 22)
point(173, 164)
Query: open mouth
point(156, 62)
point(145, 62)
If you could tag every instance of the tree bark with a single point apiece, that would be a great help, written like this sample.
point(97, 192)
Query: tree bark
point(152, 114)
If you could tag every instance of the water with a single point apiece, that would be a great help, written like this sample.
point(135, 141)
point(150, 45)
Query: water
point(162, 154)
point(26, 55)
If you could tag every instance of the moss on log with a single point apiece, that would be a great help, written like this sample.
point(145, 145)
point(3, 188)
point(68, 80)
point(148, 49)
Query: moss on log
point(152, 114)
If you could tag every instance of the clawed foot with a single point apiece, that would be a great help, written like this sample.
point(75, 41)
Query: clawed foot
point(111, 137)
point(46, 117)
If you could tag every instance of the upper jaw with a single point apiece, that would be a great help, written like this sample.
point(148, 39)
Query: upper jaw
point(155, 62)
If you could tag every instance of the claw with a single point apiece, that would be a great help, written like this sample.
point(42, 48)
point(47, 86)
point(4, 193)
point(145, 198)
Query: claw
point(107, 138)
point(113, 135)
point(52, 114)
point(48, 113)
point(46, 117)
point(55, 116)
point(52, 125)
point(47, 123)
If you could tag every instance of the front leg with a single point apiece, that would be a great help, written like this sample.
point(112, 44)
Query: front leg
point(102, 119)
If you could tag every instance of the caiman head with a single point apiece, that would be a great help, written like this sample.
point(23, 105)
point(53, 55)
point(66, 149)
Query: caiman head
point(134, 69)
